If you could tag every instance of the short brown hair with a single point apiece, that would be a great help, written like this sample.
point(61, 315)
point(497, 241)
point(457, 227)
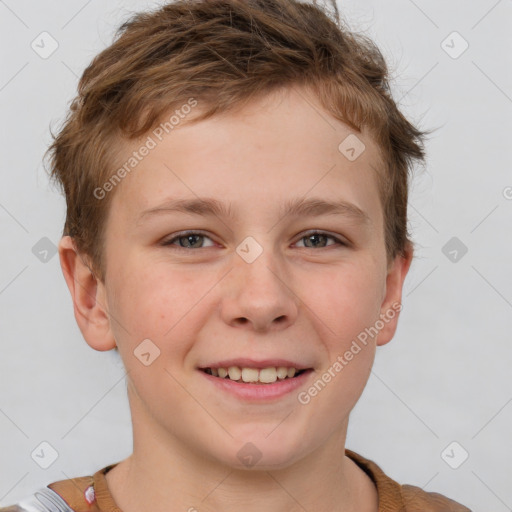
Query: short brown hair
point(225, 53)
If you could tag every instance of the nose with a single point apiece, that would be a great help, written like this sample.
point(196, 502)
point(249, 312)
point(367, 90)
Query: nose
point(259, 296)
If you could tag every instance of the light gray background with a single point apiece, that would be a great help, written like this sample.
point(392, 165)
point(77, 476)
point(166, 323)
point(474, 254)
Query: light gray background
point(446, 375)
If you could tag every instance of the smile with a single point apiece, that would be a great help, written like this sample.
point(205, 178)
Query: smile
point(257, 385)
point(254, 375)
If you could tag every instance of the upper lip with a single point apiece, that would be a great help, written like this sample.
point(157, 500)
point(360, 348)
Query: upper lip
point(253, 363)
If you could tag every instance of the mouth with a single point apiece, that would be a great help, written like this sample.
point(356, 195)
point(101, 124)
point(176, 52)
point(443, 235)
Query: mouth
point(262, 381)
point(251, 375)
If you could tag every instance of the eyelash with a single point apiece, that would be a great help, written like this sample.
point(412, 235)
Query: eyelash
point(169, 242)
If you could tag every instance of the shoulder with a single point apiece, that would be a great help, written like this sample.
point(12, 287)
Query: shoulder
point(403, 498)
point(71, 495)
point(417, 500)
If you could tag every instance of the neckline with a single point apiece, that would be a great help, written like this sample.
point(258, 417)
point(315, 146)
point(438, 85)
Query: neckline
point(386, 487)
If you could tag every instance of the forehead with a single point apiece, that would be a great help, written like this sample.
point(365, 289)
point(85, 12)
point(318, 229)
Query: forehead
point(280, 147)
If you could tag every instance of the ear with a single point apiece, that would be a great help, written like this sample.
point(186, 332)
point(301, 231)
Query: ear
point(392, 303)
point(89, 297)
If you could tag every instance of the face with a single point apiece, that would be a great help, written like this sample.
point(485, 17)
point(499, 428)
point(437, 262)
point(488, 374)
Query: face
point(221, 250)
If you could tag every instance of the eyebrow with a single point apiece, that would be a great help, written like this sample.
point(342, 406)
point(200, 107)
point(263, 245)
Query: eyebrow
point(295, 208)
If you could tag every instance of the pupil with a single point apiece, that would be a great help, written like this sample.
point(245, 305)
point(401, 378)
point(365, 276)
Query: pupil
point(311, 237)
point(190, 238)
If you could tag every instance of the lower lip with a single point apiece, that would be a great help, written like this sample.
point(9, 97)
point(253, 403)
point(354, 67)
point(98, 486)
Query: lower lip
point(259, 392)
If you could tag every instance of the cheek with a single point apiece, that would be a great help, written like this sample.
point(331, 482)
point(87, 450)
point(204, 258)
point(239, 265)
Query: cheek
point(344, 300)
point(344, 315)
point(346, 306)
point(160, 304)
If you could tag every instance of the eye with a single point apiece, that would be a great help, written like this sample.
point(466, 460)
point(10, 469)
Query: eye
point(187, 240)
point(317, 239)
point(195, 240)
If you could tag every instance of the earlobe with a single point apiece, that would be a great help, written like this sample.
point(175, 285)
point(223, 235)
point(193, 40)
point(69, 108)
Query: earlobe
point(88, 295)
point(392, 303)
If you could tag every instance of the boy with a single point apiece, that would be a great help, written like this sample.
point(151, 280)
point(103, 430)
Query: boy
point(236, 178)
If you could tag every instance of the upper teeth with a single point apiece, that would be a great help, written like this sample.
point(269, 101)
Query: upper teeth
point(265, 375)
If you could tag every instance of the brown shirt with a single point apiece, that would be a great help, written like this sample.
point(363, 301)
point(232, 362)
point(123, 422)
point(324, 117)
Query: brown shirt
point(91, 493)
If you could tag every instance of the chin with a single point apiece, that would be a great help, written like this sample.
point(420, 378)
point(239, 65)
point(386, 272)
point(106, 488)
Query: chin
point(263, 453)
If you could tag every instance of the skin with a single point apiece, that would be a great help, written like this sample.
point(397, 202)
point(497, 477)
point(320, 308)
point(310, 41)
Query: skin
point(298, 300)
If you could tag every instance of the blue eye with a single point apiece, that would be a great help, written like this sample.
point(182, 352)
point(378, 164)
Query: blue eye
point(190, 240)
point(315, 236)
point(195, 240)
